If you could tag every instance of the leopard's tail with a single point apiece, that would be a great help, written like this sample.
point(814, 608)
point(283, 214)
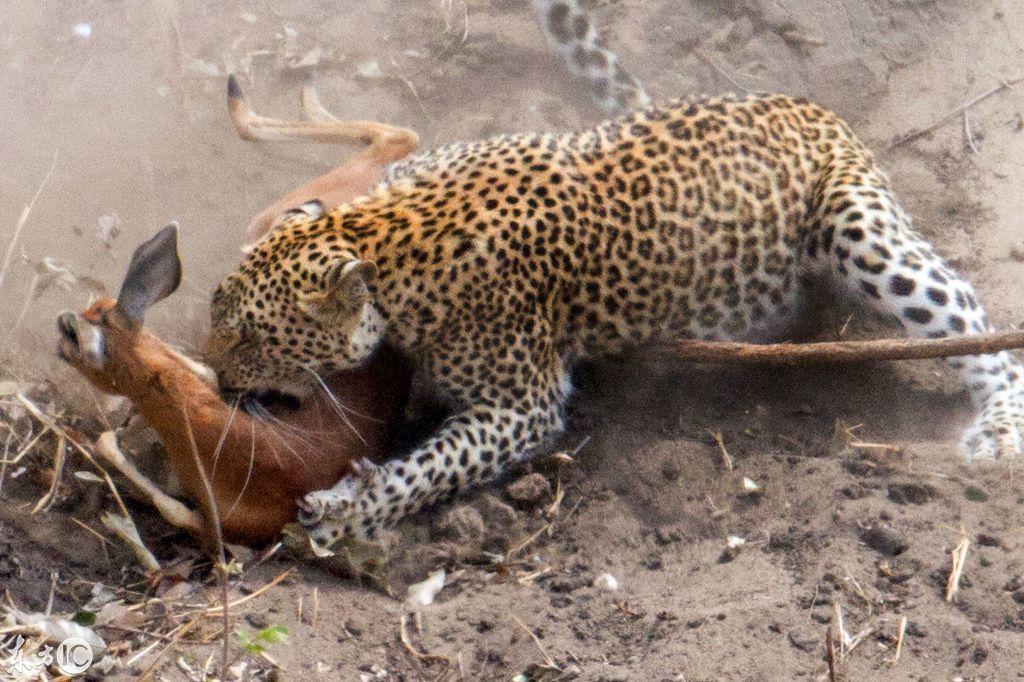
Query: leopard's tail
point(572, 34)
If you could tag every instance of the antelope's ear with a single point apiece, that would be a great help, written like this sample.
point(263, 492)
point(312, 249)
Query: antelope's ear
point(153, 274)
point(341, 291)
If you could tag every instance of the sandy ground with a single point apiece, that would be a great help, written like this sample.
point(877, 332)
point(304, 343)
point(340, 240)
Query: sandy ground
point(131, 120)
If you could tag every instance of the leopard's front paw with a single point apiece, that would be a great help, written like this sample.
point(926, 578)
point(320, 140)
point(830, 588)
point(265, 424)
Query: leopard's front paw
point(998, 430)
point(333, 514)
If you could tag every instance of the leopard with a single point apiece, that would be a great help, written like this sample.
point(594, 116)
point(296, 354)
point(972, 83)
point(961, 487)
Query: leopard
point(498, 264)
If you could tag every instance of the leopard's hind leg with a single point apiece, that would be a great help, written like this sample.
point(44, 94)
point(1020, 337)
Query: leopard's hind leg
point(864, 239)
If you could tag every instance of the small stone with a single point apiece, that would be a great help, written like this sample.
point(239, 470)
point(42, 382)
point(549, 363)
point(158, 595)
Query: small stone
point(986, 540)
point(975, 494)
point(10, 565)
point(257, 620)
point(915, 630)
point(529, 490)
point(571, 672)
point(800, 642)
point(911, 493)
point(501, 523)
point(664, 537)
point(496, 514)
point(859, 467)
point(884, 540)
point(822, 616)
point(606, 581)
point(463, 525)
point(565, 585)
point(652, 562)
point(786, 541)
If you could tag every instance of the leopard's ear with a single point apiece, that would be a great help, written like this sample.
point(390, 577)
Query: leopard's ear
point(341, 291)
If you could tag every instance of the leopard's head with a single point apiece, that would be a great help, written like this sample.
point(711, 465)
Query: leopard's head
point(300, 305)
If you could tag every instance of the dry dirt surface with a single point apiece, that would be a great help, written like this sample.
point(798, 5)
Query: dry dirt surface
point(114, 114)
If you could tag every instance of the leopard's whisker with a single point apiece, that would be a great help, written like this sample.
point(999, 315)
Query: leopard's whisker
point(248, 473)
point(339, 409)
point(276, 426)
point(223, 437)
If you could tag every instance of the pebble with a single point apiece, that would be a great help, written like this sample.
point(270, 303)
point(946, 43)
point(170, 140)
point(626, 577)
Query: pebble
point(986, 540)
point(529, 490)
point(884, 540)
point(911, 493)
point(496, 514)
point(975, 494)
point(571, 672)
point(463, 525)
point(664, 537)
point(915, 630)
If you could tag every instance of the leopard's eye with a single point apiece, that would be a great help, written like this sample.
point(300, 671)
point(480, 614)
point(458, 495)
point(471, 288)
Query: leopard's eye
point(225, 340)
point(246, 332)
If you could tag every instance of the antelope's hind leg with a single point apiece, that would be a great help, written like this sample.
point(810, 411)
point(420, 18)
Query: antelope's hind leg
point(384, 144)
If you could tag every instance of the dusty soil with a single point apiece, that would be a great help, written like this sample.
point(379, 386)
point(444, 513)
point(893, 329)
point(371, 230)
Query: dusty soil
point(131, 120)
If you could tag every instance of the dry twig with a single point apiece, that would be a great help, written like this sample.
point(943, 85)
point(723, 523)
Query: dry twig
point(958, 557)
point(23, 218)
point(214, 520)
point(914, 134)
point(969, 134)
point(544, 529)
point(175, 638)
point(728, 352)
point(899, 640)
point(847, 642)
point(830, 648)
point(726, 457)
point(59, 457)
point(549, 663)
point(423, 656)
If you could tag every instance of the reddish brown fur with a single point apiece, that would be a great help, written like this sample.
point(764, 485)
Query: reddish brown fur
point(261, 468)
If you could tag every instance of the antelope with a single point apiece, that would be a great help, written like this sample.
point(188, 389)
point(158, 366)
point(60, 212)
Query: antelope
point(256, 465)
